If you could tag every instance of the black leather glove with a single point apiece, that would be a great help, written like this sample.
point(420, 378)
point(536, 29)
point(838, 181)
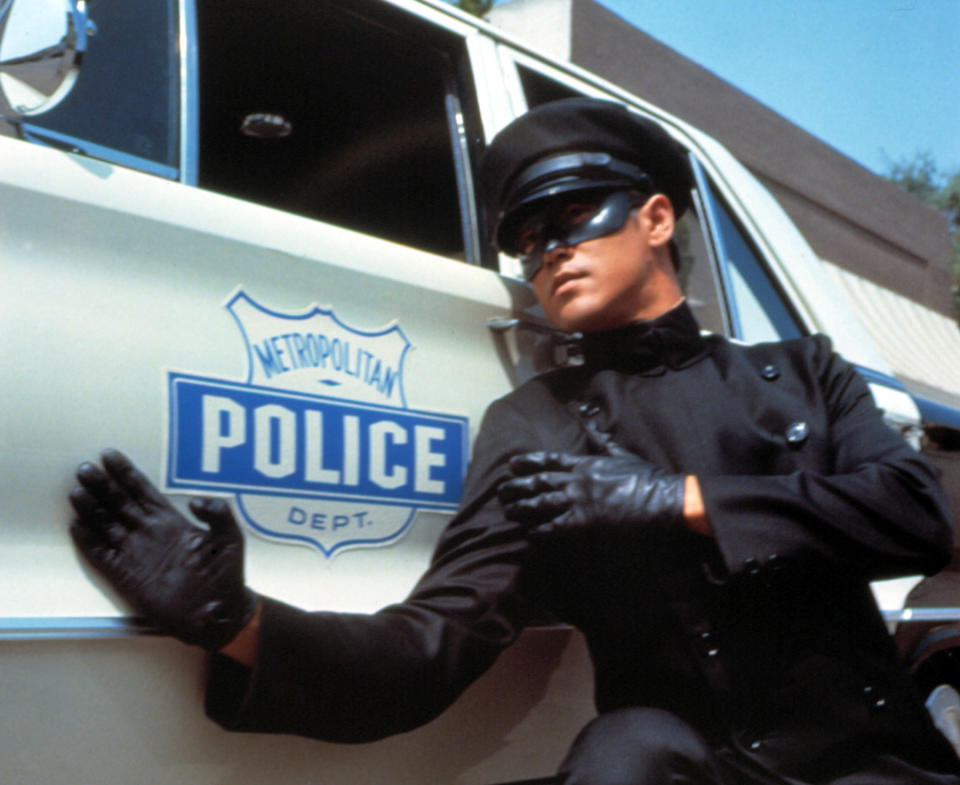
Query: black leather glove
point(185, 580)
point(562, 493)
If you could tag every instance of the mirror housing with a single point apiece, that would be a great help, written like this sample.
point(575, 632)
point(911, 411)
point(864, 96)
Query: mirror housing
point(41, 49)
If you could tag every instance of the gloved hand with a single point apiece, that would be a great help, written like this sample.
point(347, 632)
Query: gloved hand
point(184, 579)
point(562, 493)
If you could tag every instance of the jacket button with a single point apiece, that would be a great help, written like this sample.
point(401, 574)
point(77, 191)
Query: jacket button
point(874, 698)
point(590, 409)
point(751, 740)
point(797, 433)
point(708, 645)
point(752, 566)
point(770, 372)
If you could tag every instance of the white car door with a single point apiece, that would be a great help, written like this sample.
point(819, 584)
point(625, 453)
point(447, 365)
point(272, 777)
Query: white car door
point(245, 251)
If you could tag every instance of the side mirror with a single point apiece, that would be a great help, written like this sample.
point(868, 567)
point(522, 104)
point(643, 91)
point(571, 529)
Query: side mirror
point(41, 48)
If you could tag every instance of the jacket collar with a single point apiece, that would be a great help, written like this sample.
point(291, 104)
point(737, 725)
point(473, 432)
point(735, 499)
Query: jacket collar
point(671, 340)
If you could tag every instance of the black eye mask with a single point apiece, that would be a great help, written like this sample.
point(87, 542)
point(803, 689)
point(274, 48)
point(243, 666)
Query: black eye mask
point(550, 230)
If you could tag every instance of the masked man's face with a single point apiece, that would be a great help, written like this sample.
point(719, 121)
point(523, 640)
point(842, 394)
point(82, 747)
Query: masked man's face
point(569, 220)
point(607, 281)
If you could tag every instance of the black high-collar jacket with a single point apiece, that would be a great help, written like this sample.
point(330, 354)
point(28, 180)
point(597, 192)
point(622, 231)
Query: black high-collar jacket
point(766, 636)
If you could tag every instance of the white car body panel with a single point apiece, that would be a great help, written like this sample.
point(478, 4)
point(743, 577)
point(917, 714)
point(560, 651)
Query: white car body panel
point(113, 279)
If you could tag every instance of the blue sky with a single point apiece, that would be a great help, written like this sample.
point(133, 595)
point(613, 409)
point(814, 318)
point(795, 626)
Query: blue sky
point(877, 79)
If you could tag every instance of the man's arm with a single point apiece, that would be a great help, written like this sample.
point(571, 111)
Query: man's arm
point(334, 676)
point(694, 513)
point(558, 493)
point(244, 647)
point(880, 510)
point(358, 677)
point(875, 506)
point(187, 580)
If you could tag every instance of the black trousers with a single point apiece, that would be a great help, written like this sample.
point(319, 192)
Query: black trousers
point(644, 746)
point(640, 746)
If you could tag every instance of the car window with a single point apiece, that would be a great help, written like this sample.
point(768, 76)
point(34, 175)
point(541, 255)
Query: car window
point(539, 89)
point(697, 274)
point(758, 310)
point(124, 107)
point(337, 112)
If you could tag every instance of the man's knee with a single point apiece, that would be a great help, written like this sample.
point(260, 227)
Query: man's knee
point(639, 746)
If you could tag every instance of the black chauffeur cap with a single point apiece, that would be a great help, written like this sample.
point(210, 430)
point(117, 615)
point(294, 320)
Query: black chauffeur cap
point(575, 144)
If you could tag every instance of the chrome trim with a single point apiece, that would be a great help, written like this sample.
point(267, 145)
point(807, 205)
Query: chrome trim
point(935, 413)
point(719, 284)
point(502, 324)
point(931, 412)
point(877, 377)
point(715, 246)
point(922, 614)
point(34, 628)
point(49, 72)
point(464, 175)
point(189, 92)
point(68, 628)
point(79, 146)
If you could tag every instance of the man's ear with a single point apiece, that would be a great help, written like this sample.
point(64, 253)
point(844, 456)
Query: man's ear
point(658, 214)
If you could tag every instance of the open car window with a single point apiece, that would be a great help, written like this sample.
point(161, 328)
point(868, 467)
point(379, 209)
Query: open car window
point(296, 113)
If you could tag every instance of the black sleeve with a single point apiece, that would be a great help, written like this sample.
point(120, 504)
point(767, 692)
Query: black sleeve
point(881, 511)
point(357, 677)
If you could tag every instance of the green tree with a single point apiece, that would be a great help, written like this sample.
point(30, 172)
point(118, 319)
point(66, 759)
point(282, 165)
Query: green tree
point(941, 190)
point(476, 7)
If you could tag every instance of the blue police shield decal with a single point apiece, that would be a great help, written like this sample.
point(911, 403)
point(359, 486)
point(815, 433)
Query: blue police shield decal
point(317, 444)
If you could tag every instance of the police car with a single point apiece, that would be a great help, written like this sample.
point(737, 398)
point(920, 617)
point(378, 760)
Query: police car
point(242, 242)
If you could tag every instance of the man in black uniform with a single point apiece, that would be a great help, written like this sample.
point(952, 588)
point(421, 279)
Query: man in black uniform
point(709, 515)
